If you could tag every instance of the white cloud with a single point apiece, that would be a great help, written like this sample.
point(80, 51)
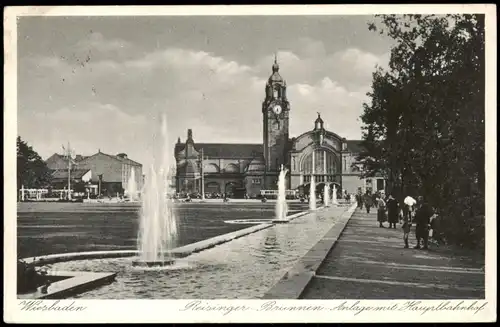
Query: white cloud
point(339, 107)
point(112, 103)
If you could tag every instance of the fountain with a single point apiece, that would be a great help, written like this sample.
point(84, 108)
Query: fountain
point(158, 222)
point(281, 205)
point(312, 194)
point(326, 195)
point(334, 195)
point(132, 186)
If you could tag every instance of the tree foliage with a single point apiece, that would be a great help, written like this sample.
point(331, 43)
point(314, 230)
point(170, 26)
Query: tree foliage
point(424, 125)
point(32, 172)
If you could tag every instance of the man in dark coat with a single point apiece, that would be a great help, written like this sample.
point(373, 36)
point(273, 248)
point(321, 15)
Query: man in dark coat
point(359, 199)
point(423, 215)
point(375, 199)
point(392, 211)
point(367, 200)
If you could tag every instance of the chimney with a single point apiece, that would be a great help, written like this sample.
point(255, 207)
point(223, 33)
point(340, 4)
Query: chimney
point(122, 155)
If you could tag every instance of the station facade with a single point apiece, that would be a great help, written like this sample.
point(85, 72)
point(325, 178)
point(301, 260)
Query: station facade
point(250, 168)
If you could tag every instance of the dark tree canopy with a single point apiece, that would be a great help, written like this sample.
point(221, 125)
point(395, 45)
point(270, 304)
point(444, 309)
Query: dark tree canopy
point(32, 172)
point(424, 126)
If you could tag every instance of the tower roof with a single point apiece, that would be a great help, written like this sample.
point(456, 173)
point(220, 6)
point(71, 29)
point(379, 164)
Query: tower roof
point(275, 77)
point(276, 67)
point(318, 120)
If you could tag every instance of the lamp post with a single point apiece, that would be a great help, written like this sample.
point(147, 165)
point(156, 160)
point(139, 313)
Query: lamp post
point(202, 177)
point(100, 182)
point(68, 156)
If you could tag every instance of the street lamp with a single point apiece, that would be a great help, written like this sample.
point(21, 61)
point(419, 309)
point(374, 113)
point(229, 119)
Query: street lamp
point(202, 176)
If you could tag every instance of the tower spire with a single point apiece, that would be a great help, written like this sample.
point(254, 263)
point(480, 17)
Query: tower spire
point(276, 67)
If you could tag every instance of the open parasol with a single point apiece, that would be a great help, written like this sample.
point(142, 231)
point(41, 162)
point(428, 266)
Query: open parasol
point(410, 201)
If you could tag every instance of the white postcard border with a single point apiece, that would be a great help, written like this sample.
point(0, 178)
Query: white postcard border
point(173, 311)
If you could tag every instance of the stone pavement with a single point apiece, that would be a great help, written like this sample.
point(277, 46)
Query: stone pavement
point(369, 262)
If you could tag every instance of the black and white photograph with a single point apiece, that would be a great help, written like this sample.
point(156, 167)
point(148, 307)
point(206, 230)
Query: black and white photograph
point(216, 156)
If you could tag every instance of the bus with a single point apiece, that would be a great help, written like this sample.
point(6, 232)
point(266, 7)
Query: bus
point(273, 194)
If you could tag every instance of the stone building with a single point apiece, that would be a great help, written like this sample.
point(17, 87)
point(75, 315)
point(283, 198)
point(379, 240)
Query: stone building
point(109, 172)
point(317, 153)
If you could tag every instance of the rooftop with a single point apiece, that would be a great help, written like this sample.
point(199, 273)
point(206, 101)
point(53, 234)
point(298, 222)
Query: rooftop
point(63, 173)
point(226, 150)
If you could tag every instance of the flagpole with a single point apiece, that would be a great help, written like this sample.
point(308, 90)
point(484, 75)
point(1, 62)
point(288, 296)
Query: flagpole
point(68, 156)
point(202, 177)
point(69, 172)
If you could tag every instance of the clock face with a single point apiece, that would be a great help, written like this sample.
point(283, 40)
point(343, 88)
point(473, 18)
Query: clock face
point(277, 109)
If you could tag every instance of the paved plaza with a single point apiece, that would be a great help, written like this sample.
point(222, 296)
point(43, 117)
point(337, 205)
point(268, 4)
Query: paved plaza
point(369, 262)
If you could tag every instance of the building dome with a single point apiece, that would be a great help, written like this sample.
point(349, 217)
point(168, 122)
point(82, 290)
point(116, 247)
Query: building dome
point(275, 77)
point(256, 165)
point(318, 123)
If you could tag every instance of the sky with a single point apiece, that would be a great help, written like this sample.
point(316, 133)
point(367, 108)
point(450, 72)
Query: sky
point(101, 83)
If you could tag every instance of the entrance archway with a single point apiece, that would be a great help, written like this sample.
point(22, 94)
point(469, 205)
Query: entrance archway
point(212, 187)
point(231, 186)
point(325, 161)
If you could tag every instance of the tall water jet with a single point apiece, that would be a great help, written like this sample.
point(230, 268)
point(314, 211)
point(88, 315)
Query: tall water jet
point(158, 222)
point(281, 205)
point(326, 195)
point(334, 195)
point(132, 186)
point(312, 194)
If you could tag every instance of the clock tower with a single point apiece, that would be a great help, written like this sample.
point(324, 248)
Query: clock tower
point(275, 112)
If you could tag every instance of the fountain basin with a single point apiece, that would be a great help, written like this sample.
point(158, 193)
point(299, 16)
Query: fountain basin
point(281, 221)
point(247, 267)
point(154, 263)
point(179, 252)
point(70, 283)
point(248, 221)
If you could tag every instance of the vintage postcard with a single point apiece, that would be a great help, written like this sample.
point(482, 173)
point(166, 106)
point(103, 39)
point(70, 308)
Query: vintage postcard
point(319, 163)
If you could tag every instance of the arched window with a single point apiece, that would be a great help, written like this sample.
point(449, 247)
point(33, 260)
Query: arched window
point(211, 168)
point(232, 168)
point(325, 163)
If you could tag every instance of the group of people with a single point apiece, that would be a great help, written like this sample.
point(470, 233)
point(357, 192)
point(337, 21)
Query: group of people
point(389, 209)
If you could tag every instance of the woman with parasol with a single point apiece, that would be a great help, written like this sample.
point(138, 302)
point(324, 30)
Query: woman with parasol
point(409, 202)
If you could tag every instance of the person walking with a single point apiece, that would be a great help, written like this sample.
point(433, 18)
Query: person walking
point(359, 199)
point(367, 199)
point(381, 215)
point(406, 224)
point(375, 199)
point(392, 211)
point(423, 215)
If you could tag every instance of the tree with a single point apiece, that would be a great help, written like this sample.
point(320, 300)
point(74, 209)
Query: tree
point(32, 172)
point(424, 126)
